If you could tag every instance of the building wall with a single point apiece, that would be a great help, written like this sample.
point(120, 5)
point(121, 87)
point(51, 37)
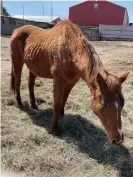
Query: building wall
point(107, 13)
point(56, 21)
point(116, 32)
point(8, 24)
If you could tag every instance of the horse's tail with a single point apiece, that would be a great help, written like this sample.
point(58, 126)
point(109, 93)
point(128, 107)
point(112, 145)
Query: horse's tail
point(17, 44)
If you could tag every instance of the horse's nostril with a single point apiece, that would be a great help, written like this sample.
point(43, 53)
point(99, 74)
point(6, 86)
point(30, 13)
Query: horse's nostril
point(113, 141)
point(117, 143)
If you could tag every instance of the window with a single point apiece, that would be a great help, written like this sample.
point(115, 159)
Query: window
point(12, 21)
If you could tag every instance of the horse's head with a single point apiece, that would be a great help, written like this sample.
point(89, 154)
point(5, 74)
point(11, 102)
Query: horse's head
point(107, 102)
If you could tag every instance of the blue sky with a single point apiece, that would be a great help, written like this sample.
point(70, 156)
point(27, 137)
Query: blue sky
point(60, 8)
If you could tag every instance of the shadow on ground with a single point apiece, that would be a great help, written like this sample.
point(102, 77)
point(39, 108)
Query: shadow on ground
point(88, 138)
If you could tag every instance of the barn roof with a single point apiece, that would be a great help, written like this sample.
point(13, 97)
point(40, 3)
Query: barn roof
point(99, 1)
point(48, 19)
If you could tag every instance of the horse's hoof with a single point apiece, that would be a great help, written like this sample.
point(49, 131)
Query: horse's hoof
point(62, 113)
point(34, 107)
point(20, 106)
point(58, 132)
point(55, 132)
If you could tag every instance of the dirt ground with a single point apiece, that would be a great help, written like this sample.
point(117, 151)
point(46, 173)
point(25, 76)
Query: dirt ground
point(82, 150)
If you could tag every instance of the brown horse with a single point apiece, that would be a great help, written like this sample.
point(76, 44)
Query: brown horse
point(64, 54)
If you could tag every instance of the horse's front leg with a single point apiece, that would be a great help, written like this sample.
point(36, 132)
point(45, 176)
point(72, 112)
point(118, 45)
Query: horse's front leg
point(58, 89)
point(67, 90)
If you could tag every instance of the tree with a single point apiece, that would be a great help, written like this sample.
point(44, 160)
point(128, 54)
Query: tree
point(5, 12)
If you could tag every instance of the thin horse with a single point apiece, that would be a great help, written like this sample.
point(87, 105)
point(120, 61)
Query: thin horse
point(64, 54)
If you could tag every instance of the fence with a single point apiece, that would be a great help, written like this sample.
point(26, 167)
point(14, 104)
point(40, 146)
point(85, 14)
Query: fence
point(92, 33)
point(112, 32)
point(104, 32)
point(8, 24)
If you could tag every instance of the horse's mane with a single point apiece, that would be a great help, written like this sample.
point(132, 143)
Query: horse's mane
point(95, 64)
point(69, 25)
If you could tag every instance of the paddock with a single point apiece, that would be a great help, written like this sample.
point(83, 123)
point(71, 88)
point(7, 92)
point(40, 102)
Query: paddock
point(82, 149)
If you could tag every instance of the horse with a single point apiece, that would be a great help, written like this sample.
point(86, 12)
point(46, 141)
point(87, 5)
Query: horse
point(64, 54)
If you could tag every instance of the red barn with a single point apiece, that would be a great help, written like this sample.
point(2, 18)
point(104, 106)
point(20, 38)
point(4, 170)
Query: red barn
point(94, 13)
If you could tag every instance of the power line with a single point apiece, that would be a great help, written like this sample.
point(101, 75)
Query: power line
point(43, 9)
point(23, 12)
point(51, 11)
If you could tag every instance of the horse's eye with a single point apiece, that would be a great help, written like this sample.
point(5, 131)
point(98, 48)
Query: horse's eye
point(106, 106)
point(120, 99)
point(102, 102)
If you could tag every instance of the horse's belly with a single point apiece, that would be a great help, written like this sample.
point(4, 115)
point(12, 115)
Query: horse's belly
point(39, 68)
point(70, 75)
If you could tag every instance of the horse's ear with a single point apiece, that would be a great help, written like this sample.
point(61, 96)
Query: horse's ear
point(123, 77)
point(101, 82)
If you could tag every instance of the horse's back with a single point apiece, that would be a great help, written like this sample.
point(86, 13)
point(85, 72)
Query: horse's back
point(51, 52)
point(22, 31)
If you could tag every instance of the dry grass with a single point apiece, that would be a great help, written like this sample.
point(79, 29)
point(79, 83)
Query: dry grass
point(82, 150)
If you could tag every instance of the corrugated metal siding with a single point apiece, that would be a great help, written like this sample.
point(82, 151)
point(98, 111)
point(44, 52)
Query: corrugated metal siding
point(8, 24)
point(126, 19)
point(109, 32)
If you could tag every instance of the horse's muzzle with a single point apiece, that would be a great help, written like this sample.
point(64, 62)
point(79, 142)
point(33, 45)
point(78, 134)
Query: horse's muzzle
point(115, 142)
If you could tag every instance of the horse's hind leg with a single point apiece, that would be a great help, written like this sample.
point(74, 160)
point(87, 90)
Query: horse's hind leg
point(17, 70)
point(32, 78)
point(17, 65)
